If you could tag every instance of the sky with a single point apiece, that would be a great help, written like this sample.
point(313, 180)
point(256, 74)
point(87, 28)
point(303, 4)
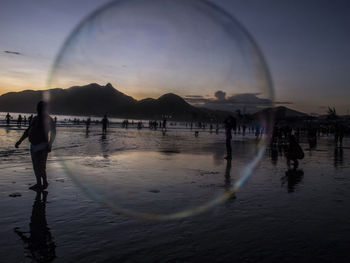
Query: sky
point(305, 44)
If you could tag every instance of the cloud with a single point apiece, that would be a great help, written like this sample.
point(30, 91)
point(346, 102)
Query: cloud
point(193, 96)
point(246, 102)
point(323, 107)
point(220, 95)
point(12, 52)
point(196, 99)
point(283, 102)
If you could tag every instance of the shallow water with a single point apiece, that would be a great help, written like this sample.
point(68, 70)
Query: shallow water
point(279, 215)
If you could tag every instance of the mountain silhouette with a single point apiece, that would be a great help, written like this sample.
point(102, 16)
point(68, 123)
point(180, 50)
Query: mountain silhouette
point(170, 105)
point(96, 100)
point(91, 99)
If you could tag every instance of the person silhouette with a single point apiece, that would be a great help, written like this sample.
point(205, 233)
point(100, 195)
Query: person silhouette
point(164, 124)
point(230, 124)
point(30, 118)
point(40, 242)
point(338, 134)
point(19, 120)
point(88, 122)
point(8, 119)
point(40, 144)
point(294, 152)
point(105, 123)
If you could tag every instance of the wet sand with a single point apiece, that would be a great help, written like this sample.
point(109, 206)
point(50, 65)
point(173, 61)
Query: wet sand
point(279, 215)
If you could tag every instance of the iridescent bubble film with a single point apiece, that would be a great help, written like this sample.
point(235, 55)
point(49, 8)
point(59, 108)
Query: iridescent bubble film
point(174, 78)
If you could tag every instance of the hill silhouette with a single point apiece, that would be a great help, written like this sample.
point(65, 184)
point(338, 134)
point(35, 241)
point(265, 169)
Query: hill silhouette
point(96, 100)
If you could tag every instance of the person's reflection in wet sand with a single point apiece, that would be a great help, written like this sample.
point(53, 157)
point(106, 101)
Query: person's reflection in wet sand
point(228, 174)
point(87, 125)
point(218, 156)
point(338, 157)
point(293, 177)
point(104, 145)
point(228, 181)
point(274, 155)
point(40, 242)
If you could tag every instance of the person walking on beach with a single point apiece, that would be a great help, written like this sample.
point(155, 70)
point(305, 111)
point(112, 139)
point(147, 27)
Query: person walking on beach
point(88, 122)
point(294, 152)
point(19, 120)
point(30, 118)
point(338, 134)
point(230, 124)
point(164, 124)
point(40, 144)
point(8, 119)
point(105, 123)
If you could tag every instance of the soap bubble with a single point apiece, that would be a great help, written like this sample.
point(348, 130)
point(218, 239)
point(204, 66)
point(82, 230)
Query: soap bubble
point(176, 70)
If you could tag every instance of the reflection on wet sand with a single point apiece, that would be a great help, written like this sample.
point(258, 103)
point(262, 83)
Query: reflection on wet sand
point(161, 174)
point(38, 242)
point(274, 155)
point(338, 157)
point(228, 181)
point(228, 174)
point(293, 177)
point(104, 145)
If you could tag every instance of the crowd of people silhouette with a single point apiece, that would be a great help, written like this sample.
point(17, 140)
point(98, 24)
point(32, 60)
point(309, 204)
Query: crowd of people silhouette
point(40, 126)
point(41, 132)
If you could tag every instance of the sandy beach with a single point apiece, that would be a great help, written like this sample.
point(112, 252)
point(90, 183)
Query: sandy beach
point(278, 215)
point(133, 108)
